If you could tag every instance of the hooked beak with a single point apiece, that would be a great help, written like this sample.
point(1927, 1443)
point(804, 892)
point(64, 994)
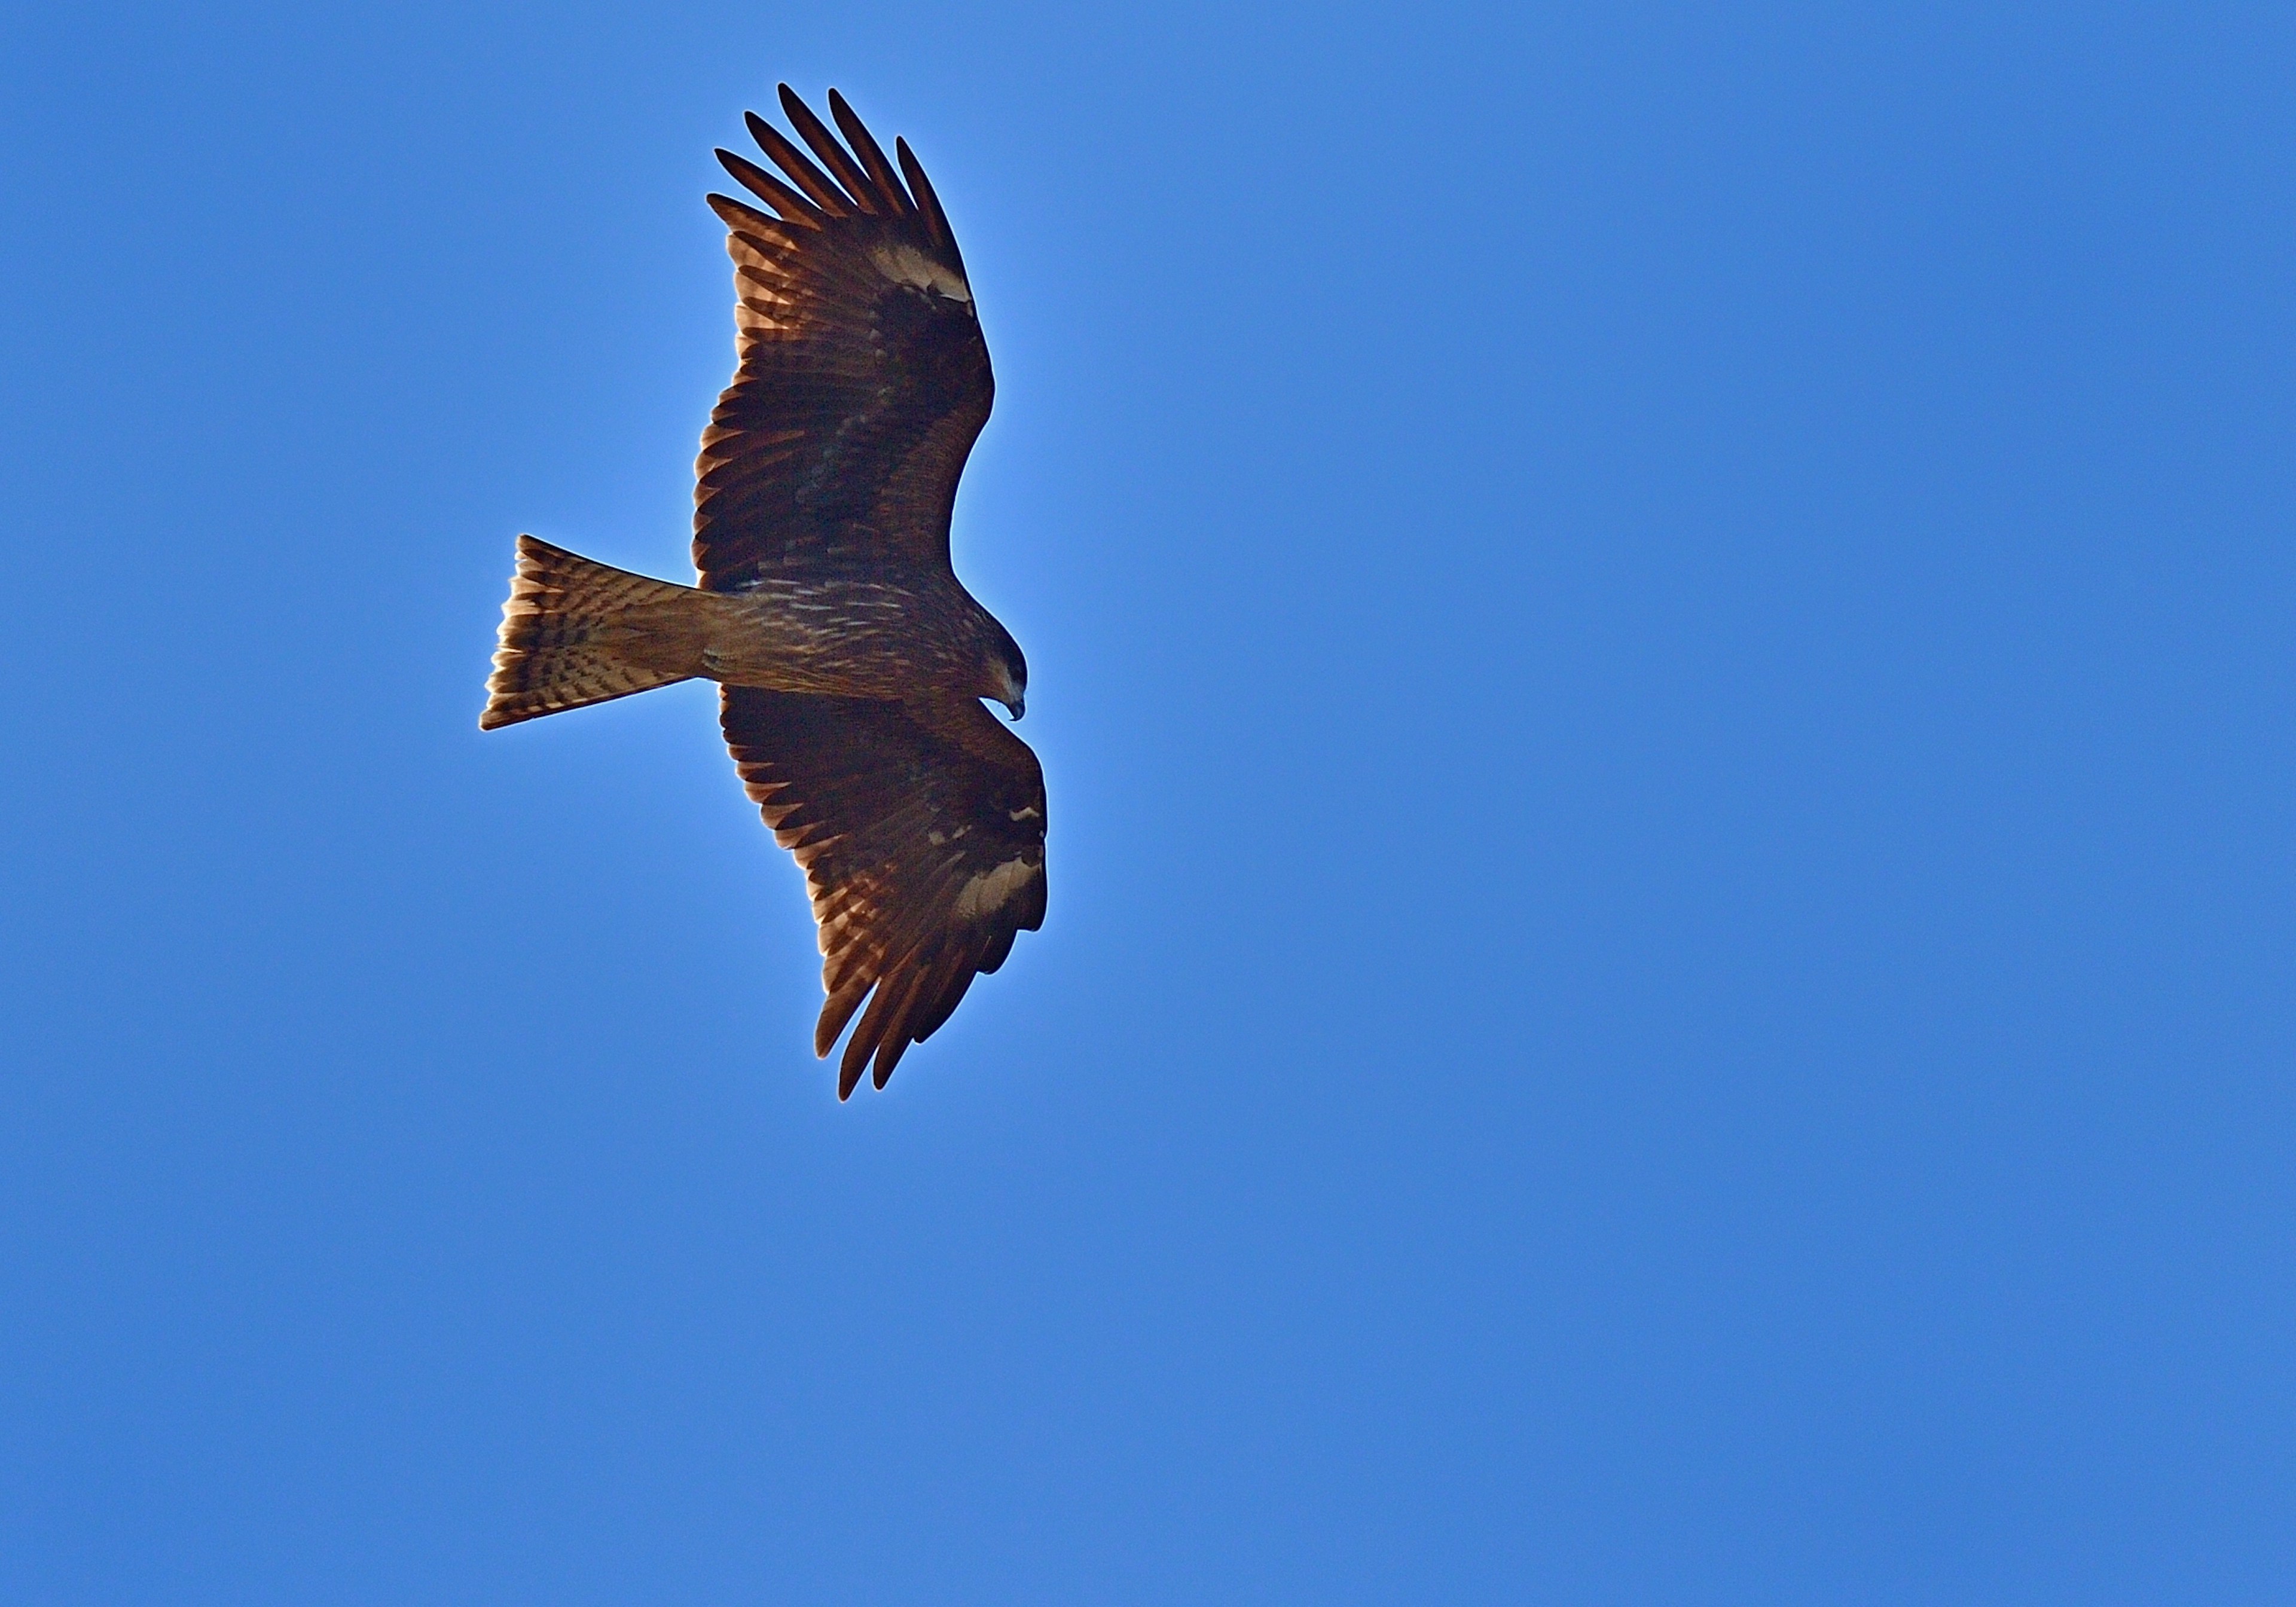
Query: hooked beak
point(1018, 704)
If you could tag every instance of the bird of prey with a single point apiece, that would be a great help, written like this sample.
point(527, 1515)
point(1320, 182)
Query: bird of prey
point(851, 662)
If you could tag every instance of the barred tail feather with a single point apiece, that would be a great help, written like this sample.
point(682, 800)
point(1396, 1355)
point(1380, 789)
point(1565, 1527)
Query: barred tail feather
point(576, 632)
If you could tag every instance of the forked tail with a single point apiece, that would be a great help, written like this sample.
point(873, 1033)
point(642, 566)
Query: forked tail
point(577, 632)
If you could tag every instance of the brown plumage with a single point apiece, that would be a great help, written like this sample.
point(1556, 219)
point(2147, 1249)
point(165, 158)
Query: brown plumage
point(852, 661)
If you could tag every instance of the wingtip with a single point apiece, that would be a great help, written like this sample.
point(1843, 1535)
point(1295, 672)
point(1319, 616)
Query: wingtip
point(819, 188)
point(929, 207)
point(794, 105)
point(888, 1055)
point(843, 171)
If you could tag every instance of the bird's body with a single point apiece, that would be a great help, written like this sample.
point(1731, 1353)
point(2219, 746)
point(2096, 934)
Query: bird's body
point(852, 658)
point(886, 634)
point(831, 628)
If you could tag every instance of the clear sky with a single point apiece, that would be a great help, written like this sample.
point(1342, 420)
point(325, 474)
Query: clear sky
point(1662, 642)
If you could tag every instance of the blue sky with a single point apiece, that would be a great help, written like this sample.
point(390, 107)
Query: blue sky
point(1661, 642)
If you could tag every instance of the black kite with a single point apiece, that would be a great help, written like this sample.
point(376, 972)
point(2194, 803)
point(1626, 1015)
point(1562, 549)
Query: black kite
point(852, 662)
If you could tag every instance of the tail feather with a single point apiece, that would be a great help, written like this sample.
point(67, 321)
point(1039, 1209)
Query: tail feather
point(576, 632)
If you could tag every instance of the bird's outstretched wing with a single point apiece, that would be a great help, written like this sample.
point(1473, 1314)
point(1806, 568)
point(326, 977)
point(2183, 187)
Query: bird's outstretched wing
point(862, 380)
point(921, 828)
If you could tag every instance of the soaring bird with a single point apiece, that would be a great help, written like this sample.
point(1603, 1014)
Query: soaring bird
point(852, 663)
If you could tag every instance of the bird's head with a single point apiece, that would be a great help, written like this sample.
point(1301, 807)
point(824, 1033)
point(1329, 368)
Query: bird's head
point(1008, 672)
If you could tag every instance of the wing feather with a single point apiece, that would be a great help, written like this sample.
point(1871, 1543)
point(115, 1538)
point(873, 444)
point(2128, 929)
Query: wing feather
point(872, 154)
point(862, 380)
point(928, 201)
point(766, 188)
point(818, 186)
point(902, 815)
point(833, 156)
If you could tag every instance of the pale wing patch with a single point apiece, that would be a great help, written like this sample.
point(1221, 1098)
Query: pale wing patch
point(990, 891)
point(903, 264)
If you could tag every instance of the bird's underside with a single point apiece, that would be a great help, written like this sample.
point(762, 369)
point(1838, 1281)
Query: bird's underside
point(852, 662)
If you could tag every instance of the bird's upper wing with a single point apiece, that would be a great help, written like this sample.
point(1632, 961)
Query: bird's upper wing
point(863, 378)
point(921, 828)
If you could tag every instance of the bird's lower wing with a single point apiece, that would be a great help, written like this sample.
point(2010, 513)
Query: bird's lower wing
point(920, 829)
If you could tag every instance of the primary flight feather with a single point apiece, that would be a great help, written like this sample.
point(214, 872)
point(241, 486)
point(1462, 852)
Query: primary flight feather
point(852, 662)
